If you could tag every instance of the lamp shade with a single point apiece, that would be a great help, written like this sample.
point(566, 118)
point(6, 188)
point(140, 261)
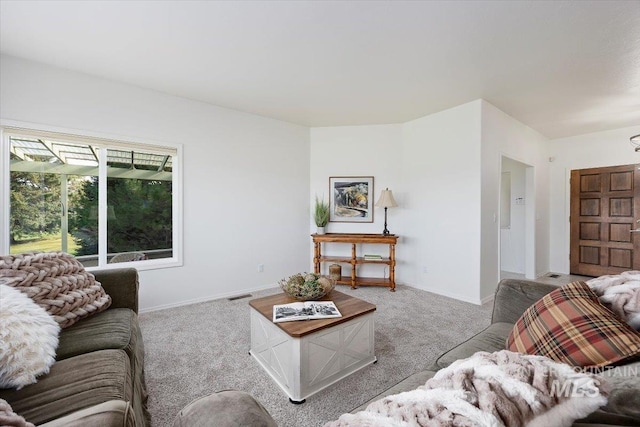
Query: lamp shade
point(386, 200)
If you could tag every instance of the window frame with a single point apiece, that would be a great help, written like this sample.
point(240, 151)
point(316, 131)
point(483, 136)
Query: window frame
point(10, 128)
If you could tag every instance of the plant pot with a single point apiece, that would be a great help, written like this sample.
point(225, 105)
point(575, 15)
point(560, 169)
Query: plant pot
point(320, 230)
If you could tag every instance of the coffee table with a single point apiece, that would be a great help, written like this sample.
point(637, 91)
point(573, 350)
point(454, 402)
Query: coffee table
point(306, 356)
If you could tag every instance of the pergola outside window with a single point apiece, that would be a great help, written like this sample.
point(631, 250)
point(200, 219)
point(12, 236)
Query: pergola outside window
point(102, 201)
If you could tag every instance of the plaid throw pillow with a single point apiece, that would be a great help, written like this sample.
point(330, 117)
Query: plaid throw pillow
point(570, 325)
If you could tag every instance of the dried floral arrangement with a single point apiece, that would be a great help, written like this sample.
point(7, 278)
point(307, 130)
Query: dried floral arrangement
point(307, 286)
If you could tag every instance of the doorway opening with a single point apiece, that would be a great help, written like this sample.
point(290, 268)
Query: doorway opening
point(517, 220)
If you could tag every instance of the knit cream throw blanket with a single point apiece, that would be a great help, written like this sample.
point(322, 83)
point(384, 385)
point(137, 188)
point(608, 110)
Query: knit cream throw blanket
point(490, 389)
point(621, 294)
point(57, 282)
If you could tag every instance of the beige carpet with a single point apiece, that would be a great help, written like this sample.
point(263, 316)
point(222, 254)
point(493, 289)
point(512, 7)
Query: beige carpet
point(194, 350)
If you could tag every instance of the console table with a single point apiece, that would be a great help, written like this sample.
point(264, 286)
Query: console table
point(354, 260)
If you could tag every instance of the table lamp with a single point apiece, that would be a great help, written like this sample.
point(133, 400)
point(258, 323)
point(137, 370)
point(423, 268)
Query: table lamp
point(385, 201)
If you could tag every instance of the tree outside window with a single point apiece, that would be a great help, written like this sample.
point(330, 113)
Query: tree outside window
point(54, 199)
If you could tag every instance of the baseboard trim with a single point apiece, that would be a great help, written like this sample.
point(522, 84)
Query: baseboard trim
point(487, 299)
point(449, 295)
point(205, 299)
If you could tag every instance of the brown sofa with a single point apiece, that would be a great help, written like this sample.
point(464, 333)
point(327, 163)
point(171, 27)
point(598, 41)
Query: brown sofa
point(98, 376)
point(512, 298)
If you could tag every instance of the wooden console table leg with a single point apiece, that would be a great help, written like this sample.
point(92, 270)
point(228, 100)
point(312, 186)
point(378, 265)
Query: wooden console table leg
point(353, 266)
point(392, 267)
point(316, 257)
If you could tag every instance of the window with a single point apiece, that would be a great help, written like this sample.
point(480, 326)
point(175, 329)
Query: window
point(104, 201)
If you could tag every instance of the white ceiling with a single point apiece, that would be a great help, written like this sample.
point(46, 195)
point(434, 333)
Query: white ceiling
point(562, 67)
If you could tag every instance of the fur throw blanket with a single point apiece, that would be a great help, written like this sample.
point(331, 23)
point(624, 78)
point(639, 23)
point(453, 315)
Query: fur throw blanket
point(57, 282)
point(10, 418)
point(490, 389)
point(621, 294)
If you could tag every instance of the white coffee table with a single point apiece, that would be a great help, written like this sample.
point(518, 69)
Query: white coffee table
point(304, 357)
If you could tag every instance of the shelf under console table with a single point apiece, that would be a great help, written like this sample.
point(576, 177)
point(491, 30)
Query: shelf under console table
point(354, 260)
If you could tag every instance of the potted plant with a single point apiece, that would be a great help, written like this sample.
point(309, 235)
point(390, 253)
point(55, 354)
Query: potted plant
point(321, 214)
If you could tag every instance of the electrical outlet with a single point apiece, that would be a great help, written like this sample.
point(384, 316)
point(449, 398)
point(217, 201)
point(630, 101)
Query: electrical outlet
point(424, 268)
point(260, 268)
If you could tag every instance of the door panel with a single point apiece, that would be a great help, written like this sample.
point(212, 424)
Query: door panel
point(605, 208)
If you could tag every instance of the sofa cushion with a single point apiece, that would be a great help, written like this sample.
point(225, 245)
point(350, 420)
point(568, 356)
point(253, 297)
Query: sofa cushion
point(490, 339)
point(73, 384)
point(116, 328)
point(571, 326)
point(111, 329)
point(121, 284)
point(514, 296)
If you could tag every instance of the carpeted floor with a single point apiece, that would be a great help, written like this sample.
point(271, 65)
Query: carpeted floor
point(194, 350)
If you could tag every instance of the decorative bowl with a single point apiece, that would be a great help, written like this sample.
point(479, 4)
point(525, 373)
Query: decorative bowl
point(307, 286)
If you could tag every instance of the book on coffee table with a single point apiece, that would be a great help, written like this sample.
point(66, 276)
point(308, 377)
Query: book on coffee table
point(305, 311)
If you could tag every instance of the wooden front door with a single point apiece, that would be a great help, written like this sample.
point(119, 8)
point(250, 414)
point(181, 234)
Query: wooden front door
point(605, 208)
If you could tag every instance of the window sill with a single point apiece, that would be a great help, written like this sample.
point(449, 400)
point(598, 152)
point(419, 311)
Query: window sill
point(153, 264)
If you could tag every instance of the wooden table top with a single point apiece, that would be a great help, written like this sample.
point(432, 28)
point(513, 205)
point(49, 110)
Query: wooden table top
point(350, 308)
point(355, 238)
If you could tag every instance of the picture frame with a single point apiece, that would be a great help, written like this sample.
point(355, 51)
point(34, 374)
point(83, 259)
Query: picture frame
point(351, 199)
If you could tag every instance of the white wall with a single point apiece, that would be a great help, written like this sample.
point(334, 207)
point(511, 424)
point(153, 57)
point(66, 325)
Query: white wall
point(246, 178)
point(502, 135)
point(512, 239)
point(441, 174)
point(359, 151)
point(445, 172)
point(432, 166)
point(600, 149)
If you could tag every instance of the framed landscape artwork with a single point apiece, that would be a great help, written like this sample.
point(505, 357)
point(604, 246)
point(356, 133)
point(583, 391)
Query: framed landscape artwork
point(351, 199)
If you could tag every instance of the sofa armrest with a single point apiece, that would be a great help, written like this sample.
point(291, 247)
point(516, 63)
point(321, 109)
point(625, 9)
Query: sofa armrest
point(122, 286)
point(514, 296)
